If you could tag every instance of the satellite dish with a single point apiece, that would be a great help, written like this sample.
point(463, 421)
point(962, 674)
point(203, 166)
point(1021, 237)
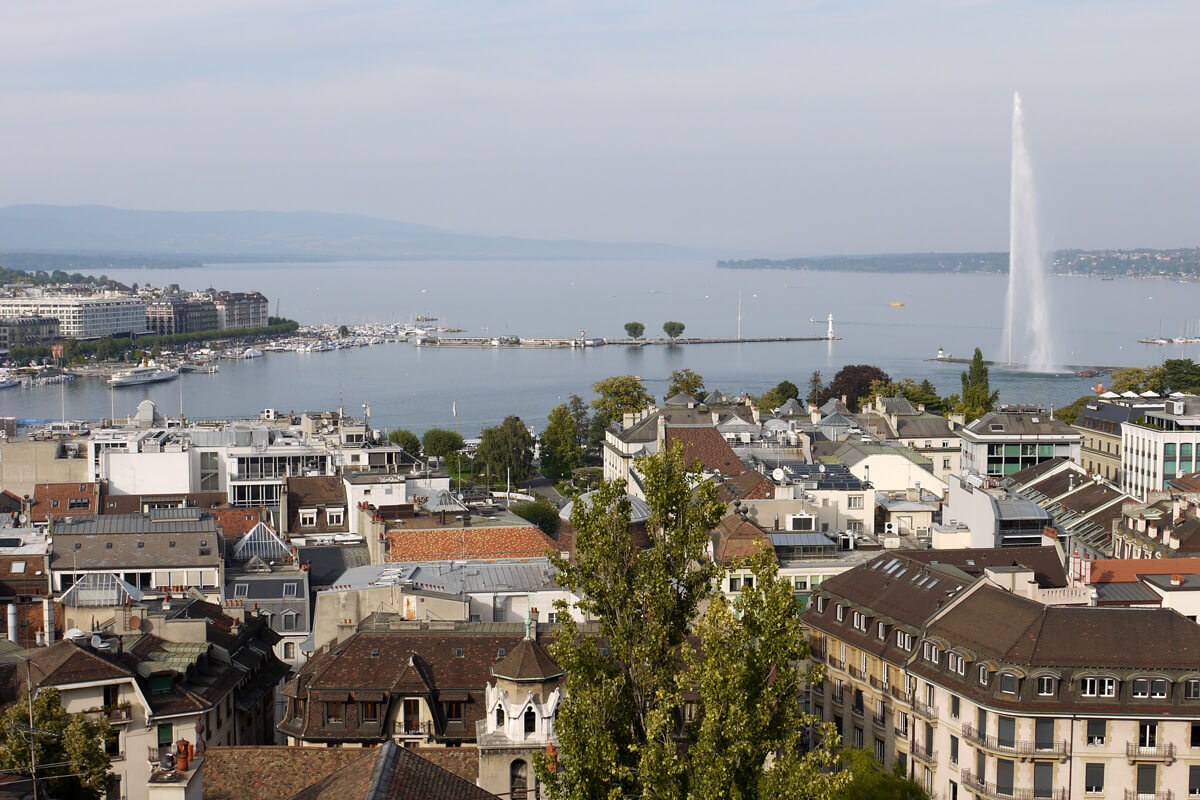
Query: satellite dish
point(75, 634)
point(777, 474)
point(24, 518)
point(97, 642)
point(821, 468)
point(135, 623)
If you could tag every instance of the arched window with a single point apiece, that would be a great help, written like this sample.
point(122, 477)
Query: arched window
point(499, 717)
point(289, 649)
point(530, 720)
point(518, 783)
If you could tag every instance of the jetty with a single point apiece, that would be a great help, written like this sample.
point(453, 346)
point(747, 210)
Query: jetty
point(1080, 370)
point(508, 342)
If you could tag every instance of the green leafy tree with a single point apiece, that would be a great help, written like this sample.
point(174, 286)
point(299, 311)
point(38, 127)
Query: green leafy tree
point(1137, 379)
point(673, 329)
point(578, 409)
point(635, 329)
point(73, 742)
point(407, 440)
point(686, 381)
point(618, 726)
point(780, 394)
point(620, 394)
point(870, 781)
point(923, 394)
point(1178, 375)
point(1069, 413)
point(540, 512)
point(506, 451)
point(748, 681)
point(560, 444)
point(817, 393)
point(439, 442)
point(854, 381)
point(977, 396)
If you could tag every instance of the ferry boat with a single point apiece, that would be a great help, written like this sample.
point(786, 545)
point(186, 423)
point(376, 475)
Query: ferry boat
point(148, 372)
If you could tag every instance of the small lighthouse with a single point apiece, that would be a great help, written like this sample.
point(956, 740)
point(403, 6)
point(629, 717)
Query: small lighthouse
point(829, 330)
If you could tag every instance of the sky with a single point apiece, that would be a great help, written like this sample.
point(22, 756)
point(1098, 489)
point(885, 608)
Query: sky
point(749, 128)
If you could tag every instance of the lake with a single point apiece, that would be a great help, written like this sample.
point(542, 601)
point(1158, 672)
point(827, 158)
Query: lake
point(1098, 322)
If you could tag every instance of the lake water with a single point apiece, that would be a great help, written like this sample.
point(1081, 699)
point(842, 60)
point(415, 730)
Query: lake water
point(1099, 322)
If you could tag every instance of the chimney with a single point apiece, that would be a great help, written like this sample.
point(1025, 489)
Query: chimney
point(1094, 598)
point(12, 622)
point(626, 421)
point(48, 619)
point(1177, 580)
point(814, 413)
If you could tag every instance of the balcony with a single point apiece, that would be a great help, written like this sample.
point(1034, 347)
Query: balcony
point(836, 699)
point(836, 663)
point(880, 721)
point(901, 733)
point(410, 729)
point(900, 694)
point(923, 754)
point(1133, 794)
point(856, 673)
point(116, 715)
point(994, 792)
point(816, 656)
point(1021, 749)
point(925, 710)
point(878, 683)
point(1164, 753)
point(857, 711)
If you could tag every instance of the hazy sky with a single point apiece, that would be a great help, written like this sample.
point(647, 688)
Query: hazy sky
point(754, 127)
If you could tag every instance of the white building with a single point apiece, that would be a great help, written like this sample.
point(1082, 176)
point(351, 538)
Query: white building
point(1161, 445)
point(81, 317)
point(1003, 442)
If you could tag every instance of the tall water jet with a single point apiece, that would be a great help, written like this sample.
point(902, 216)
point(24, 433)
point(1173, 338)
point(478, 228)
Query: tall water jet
point(1028, 327)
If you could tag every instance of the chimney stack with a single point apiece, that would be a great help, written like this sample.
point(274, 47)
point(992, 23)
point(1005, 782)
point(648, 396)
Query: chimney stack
point(48, 619)
point(12, 622)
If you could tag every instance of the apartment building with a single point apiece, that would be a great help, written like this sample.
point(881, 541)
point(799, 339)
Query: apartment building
point(240, 310)
point(1099, 423)
point(1160, 446)
point(1003, 442)
point(20, 331)
point(173, 315)
point(81, 316)
point(1000, 687)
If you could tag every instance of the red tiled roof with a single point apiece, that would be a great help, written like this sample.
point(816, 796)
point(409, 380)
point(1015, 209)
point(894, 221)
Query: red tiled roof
point(268, 773)
point(56, 499)
point(460, 543)
point(750, 485)
point(236, 522)
point(1127, 570)
point(739, 538)
point(705, 444)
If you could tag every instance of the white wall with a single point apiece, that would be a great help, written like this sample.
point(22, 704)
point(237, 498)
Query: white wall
point(147, 473)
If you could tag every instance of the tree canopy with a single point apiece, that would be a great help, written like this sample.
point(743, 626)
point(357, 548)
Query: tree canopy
point(816, 389)
point(918, 394)
point(619, 726)
point(634, 329)
point(977, 397)
point(75, 743)
point(620, 394)
point(777, 396)
point(407, 440)
point(439, 442)
point(560, 444)
point(1069, 413)
point(870, 781)
point(673, 329)
point(685, 381)
point(506, 451)
point(853, 381)
point(540, 512)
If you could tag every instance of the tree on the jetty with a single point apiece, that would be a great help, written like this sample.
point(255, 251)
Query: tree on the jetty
point(635, 329)
point(673, 329)
point(620, 724)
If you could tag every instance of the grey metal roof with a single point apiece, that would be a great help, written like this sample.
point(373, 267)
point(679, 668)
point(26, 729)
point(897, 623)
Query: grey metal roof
point(463, 577)
point(638, 510)
point(269, 587)
point(1018, 508)
point(135, 523)
point(1125, 593)
point(158, 549)
point(800, 540)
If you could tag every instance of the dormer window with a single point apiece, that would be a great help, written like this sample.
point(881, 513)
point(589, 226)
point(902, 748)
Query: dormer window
point(1191, 689)
point(820, 604)
point(839, 611)
point(308, 518)
point(240, 589)
point(1158, 689)
point(1008, 683)
point(860, 621)
point(1098, 687)
point(904, 640)
point(335, 516)
point(1046, 686)
point(1141, 688)
point(930, 652)
point(983, 675)
point(956, 663)
point(882, 632)
point(530, 721)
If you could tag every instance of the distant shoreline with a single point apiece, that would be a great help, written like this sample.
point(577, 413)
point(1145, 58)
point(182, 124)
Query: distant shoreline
point(1177, 263)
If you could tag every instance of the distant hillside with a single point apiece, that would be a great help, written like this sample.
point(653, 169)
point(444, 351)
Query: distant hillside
point(1141, 263)
point(277, 236)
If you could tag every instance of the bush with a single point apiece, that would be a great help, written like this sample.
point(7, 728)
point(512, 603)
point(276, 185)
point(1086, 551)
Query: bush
point(540, 512)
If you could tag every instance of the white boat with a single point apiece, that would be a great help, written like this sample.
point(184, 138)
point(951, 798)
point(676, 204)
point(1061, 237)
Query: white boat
point(250, 352)
point(148, 372)
point(7, 382)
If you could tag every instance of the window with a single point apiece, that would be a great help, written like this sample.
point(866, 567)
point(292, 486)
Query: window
point(1195, 741)
point(1194, 781)
point(902, 723)
point(334, 516)
point(1008, 683)
point(735, 585)
point(860, 621)
point(931, 652)
point(953, 749)
point(1147, 734)
point(840, 612)
point(308, 518)
point(904, 640)
point(956, 663)
point(1191, 689)
point(954, 706)
point(18, 566)
point(160, 684)
point(983, 675)
point(289, 621)
point(748, 582)
point(858, 736)
point(821, 610)
point(1043, 779)
point(289, 650)
point(689, 711)
point(1141, 688)
point(454, 711)
point(530, 720)
point(210, 478)
point(289, 590)
point(1045, 686)
point(879, 751)
point(854, 501)
point(1158, 688)
point(882, 632)
point(837, 690)
point(1093, 778)
point(240, 589)
point(1096, 731)
point(1098, 687)
point(370, 711)
point(335, 712)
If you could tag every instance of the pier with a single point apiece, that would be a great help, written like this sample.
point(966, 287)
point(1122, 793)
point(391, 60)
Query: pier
point(1081, 370)
point(508, 342)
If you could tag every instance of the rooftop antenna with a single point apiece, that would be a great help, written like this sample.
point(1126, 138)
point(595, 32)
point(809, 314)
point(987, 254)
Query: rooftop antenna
point(739, 318)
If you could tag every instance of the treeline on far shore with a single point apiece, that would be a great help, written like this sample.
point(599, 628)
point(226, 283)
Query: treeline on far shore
point(108, 348)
